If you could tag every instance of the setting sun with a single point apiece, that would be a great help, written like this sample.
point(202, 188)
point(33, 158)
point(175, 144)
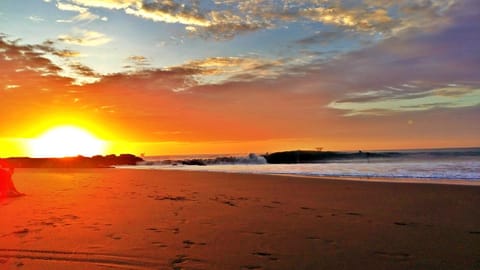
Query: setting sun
point(66, 141)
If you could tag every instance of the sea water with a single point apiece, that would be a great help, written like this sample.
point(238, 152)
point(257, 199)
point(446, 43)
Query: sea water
point(445, 164)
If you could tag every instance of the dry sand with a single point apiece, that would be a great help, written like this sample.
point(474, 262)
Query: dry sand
point(134, 219)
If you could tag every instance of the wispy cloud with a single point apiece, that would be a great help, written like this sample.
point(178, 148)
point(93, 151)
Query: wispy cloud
point(387, 101)
point(70, 7)
point(42, 61)
point(66, 53)
point(83, 70)
point(110, 4)
point(83, 13)
point(36, 18)
point(11, 86)
point(85, 38)
point(217, 70)
point(170, 12)
point(28, 66)
point(138, 61)
point(358, 19)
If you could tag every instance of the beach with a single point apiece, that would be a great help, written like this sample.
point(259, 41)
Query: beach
point(158, 219)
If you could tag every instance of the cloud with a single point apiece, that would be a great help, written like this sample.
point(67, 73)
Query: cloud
point(137, 58)
point(110, 4)
point(36, 19)
point(217, 70)
point(324, 37)
point(70, 7)
point(27, 66)
point(66, 53)
point(48, 46)
point(137, 63)
point(226, 25)
point(83, 70)
point(11, 86)
point(23, 58)
point(410, 72)
point(31, 62)
point(384, 102)
point(358, 19)
point(85, 16)
point(227, 19)
point(85, 38)
point(84, 13)
point(170, 12)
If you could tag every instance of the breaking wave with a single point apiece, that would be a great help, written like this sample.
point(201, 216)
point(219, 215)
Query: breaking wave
point(221, 160)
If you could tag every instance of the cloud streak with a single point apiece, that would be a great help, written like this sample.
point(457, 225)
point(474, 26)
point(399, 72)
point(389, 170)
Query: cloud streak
point(385, 102)
point(85, 38)
point(217, 70)
point(83, 13)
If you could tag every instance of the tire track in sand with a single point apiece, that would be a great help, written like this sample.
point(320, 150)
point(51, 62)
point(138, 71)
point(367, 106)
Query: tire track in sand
point(100, 259)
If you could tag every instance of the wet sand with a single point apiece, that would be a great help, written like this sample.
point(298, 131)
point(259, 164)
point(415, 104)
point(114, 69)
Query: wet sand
point(135, 219)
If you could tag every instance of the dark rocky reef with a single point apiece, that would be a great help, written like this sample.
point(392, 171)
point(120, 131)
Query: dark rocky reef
point(75, 162)
point(306, 156)
point(250, 159)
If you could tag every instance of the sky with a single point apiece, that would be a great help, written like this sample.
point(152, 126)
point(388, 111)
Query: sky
point(224, 76)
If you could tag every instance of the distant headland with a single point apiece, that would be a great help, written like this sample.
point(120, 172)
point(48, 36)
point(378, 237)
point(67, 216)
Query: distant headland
point(75, 162)
point(308, 156)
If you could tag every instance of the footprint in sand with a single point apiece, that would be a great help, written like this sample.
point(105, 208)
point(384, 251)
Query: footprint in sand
point(230, 203)
point(114, 236)
point(229, 200)
point(325, 241)
point(251, 267)
point(266, 255)
point(226, 202)
point(257, 233)
point(180, 260)
point(171, 198)
point(190, 243)
point(401, 223)
point(397, 256)
point(22, 232)
point(159, 244)
point(153, 229)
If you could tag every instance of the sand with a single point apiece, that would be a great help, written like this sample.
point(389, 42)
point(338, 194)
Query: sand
point(135, 219)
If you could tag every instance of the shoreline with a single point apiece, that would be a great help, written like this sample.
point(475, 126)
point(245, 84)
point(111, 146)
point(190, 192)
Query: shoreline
point(381, 179)
point(399, 180)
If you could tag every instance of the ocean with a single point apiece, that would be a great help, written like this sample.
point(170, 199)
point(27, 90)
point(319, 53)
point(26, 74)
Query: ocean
point(424, 164)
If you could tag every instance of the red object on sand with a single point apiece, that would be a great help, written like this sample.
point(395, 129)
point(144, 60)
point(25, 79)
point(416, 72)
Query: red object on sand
point(7, 188)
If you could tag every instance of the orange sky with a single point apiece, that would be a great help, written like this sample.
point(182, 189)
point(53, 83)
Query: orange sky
point(401, 83)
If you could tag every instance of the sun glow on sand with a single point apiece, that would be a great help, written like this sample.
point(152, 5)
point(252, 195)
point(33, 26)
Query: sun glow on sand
point(66, 141)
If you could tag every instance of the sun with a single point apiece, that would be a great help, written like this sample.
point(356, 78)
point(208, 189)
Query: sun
point(66, 141)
